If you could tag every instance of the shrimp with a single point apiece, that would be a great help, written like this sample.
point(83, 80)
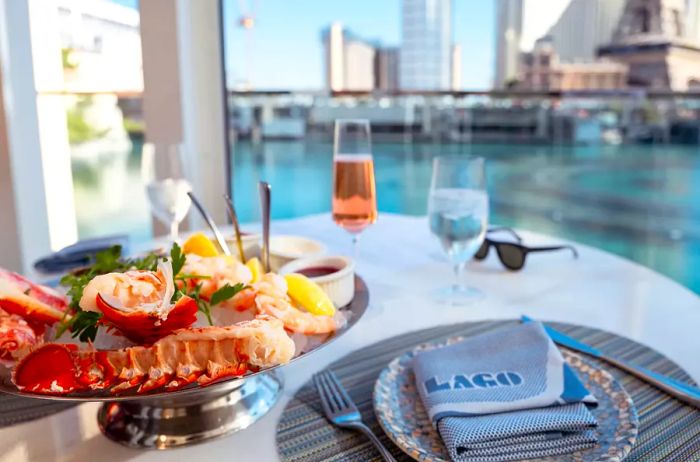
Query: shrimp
point(217, 271)
point(270, 284)
point(293, 318)
point(269, 297)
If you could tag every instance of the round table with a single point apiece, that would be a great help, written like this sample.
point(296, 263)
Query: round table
point(402, 263)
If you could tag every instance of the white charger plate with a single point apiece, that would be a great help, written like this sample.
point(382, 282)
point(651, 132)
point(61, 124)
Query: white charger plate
point(403, 418)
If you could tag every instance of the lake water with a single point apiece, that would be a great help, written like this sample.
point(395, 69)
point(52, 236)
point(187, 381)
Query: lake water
point(641, 202)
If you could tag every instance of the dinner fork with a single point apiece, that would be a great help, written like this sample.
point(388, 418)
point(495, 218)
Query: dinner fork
point(341, 411)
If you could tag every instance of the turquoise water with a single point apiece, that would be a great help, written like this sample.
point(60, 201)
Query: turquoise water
point(641, 202)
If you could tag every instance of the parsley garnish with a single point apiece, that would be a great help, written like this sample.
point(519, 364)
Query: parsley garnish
point(202, 305)
point(177, 259)
point(186, 276)
point(85, 324)
point(226, 292)
point(221, 295)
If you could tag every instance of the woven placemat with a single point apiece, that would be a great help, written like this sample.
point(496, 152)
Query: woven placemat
point(16, 409)
point(669, 430)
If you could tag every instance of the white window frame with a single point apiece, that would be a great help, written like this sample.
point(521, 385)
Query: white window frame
point(184, 102)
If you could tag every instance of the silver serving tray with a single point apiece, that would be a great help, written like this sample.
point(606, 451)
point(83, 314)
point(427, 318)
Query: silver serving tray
point(356, 309)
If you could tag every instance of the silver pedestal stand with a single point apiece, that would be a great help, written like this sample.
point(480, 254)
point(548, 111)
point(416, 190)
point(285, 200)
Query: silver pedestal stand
point(162, 423)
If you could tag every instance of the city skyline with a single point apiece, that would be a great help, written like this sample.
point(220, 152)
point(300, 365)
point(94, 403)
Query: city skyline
point(289, 36)
point(273, 45)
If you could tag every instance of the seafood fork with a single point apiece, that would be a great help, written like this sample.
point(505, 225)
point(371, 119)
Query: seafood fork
point(341, 411)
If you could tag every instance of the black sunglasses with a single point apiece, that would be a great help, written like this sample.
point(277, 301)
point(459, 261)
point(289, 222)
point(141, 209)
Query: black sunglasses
point(512, 254)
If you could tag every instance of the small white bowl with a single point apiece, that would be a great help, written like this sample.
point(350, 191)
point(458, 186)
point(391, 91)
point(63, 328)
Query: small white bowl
point(340, 285)
point(284, 249)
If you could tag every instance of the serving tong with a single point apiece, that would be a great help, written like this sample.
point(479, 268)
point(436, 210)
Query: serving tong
point(236, 229)
point(265, 199)
point(212, 225)
point(265, 191)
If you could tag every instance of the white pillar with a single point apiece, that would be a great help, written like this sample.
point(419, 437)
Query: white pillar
point(183, 91)
point(10, 255)
point(203, 103)
point(37, 154)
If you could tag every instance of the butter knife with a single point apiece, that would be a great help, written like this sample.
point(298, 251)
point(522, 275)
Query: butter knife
point(679, 390)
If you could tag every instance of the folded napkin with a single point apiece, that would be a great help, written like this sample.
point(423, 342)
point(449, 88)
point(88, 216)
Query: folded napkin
point(82, 253)
point(506, 395)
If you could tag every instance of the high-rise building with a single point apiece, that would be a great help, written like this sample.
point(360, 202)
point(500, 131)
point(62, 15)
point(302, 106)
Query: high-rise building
point(509, 23)
point(583, 27)
point(358, 64)
point(426, 45)
point(651, 39)
point(349, 60)
point(692, 16)
point(386, 69)
point(456, 63)
point(542, 70)
point(334, 57)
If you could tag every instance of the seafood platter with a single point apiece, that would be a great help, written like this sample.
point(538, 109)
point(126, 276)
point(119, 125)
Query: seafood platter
point(180, 347)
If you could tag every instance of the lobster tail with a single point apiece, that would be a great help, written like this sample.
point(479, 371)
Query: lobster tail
point(204, 355)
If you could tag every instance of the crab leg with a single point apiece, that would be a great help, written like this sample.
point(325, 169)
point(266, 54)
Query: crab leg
point(17, 337)
point(33, 302)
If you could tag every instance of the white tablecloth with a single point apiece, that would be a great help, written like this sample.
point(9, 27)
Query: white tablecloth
point(402, 263)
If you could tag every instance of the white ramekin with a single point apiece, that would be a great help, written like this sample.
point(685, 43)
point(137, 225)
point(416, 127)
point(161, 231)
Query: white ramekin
point(340, 286)
point(284, 249)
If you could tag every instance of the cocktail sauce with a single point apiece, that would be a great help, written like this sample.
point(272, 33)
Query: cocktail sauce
point(317, 271)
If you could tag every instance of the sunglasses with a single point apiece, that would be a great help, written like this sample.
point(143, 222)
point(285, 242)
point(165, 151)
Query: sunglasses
point(513, 254)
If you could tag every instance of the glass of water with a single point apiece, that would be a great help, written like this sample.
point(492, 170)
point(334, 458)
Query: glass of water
point(163, 173)
point(458, 212)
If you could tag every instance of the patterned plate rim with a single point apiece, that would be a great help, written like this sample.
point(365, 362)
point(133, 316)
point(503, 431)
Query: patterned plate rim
point(623, 444)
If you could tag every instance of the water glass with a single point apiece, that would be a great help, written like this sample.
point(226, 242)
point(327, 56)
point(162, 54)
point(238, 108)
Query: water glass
point(458, 211)
point(163, 173)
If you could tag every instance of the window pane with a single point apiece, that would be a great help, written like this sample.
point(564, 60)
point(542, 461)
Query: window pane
point(100, 47)
point(606, 166)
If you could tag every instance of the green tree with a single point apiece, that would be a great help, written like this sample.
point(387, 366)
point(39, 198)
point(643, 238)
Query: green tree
point(79, 129)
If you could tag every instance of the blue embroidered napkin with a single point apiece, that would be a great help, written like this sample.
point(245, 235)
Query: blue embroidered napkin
point(82, 253)
point(506, 395)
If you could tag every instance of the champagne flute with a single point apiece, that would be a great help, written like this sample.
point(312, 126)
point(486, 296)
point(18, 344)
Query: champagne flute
point(162, 172)
point(458, 211)
point(354, 193)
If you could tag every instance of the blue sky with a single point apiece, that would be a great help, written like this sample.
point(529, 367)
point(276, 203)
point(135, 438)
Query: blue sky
point(284, 50)
point(130, 3)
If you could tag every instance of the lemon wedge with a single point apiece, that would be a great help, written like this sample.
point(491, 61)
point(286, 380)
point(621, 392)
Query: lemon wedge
point(200, 244)
point(255, 268)
point(308, 295)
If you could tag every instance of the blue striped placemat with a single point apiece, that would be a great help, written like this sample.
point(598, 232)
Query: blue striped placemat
point(16, 409)
point(669, 430)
